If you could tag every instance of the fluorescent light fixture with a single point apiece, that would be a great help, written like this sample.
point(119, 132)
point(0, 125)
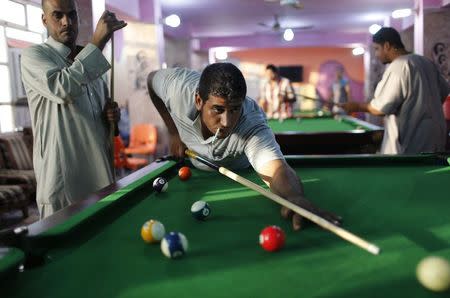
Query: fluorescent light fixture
point(401, 13)
point(358, 51)
point(288, 35)
point(23, 35)
point(374, 28)
point(221, 54)
point(172, 21)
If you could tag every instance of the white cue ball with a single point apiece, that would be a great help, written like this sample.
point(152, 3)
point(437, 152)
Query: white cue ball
point(434, 273)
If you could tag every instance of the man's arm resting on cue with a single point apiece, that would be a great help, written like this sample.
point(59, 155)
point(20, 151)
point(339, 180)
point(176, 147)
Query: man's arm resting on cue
point(283, 181)
point(351, 107)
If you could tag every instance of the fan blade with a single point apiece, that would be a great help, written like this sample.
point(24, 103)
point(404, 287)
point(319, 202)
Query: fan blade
point(303, 27)
point(298, 5)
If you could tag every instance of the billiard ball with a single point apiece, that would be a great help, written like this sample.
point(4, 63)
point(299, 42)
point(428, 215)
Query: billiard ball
point(434, 273)
point(152, 231)
point(174, 245)
point(272, 238)
point(184, 173)
point(160, 184)
point(200, 210)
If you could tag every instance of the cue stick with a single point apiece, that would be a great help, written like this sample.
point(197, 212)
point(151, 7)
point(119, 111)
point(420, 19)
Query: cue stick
point(344, 234)
point(112, 126)
point(319, 100)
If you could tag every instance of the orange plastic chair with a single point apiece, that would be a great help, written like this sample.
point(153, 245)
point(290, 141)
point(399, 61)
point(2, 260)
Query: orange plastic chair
point(122, 161)
point(143, 139)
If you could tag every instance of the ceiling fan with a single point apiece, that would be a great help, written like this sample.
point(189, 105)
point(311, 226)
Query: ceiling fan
point(291, 3)
point(276, 26)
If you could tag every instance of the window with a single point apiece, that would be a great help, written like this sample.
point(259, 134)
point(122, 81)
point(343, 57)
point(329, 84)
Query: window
point(6, 117)
point(34, 19)
point(20, 20)
point(3, 48)
point(23, 35)
point(12, 12)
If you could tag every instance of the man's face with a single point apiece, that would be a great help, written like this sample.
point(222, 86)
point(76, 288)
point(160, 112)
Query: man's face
point(381, 52)
point(270, 75)
point(61, 20)
point(216, 113)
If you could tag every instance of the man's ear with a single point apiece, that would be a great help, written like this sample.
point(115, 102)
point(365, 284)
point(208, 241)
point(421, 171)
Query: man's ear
point(44, 20)
point(198, 102)
point(387, 46)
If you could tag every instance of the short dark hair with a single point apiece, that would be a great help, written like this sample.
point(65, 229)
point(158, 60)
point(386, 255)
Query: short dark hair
point(390, 35)
point(223, 80)
point(272, 67)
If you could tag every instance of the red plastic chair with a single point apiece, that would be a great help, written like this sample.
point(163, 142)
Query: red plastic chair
point(122, 161)
point(143, 140)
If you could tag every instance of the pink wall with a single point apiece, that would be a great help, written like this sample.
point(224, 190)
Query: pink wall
point(322, 61)
point(311, 59)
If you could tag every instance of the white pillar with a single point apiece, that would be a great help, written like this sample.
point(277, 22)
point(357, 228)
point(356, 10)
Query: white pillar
point(418, 27)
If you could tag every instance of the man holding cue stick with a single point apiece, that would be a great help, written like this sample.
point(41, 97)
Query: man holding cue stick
point(210, 114)
point(373, 249)
point(69, 108)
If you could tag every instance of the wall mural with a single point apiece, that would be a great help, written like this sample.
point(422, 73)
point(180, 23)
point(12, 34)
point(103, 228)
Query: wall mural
point(440, 58)
point(327, 75)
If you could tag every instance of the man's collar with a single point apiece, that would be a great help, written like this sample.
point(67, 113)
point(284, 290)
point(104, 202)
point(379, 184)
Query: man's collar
point(62, 49)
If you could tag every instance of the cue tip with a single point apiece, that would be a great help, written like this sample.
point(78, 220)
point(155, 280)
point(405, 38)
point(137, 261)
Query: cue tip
point(373, 249)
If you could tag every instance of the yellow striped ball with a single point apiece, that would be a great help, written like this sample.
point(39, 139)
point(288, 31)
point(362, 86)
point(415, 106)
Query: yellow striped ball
point(152, 231)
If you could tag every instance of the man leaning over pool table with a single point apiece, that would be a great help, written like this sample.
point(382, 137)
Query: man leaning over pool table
point(210, 114)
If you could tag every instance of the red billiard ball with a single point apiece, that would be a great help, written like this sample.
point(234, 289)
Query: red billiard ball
point(272, 238)
point(184, 173)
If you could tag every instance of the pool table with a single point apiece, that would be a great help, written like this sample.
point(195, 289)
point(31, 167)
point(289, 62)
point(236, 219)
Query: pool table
point(324, 134)
point(94, 248)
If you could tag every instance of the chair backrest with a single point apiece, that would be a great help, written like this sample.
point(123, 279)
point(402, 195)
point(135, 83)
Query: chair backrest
point(143, 134)
point(120, 158)
point(16, 151)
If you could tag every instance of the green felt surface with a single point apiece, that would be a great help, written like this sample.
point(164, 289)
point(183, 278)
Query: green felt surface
point(104, 203)
point(10, 259)
point(313, 113)
point(403, 209)
point(312, 125)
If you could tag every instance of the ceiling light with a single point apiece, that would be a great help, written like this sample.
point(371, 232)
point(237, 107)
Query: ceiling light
point(358, 51)
point(374, 28)
point(221, 54)
point(401, 13)
point(288, 35)
point(172, 21)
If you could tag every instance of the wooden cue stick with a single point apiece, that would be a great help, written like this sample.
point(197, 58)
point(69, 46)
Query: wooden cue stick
point(112, 127)
point(319, 100)
point(344, 234)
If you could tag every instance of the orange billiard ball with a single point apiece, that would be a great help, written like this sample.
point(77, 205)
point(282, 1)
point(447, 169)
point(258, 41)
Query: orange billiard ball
point(184, 173)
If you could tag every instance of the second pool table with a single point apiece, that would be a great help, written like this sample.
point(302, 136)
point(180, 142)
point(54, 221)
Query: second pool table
point(326, 135)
